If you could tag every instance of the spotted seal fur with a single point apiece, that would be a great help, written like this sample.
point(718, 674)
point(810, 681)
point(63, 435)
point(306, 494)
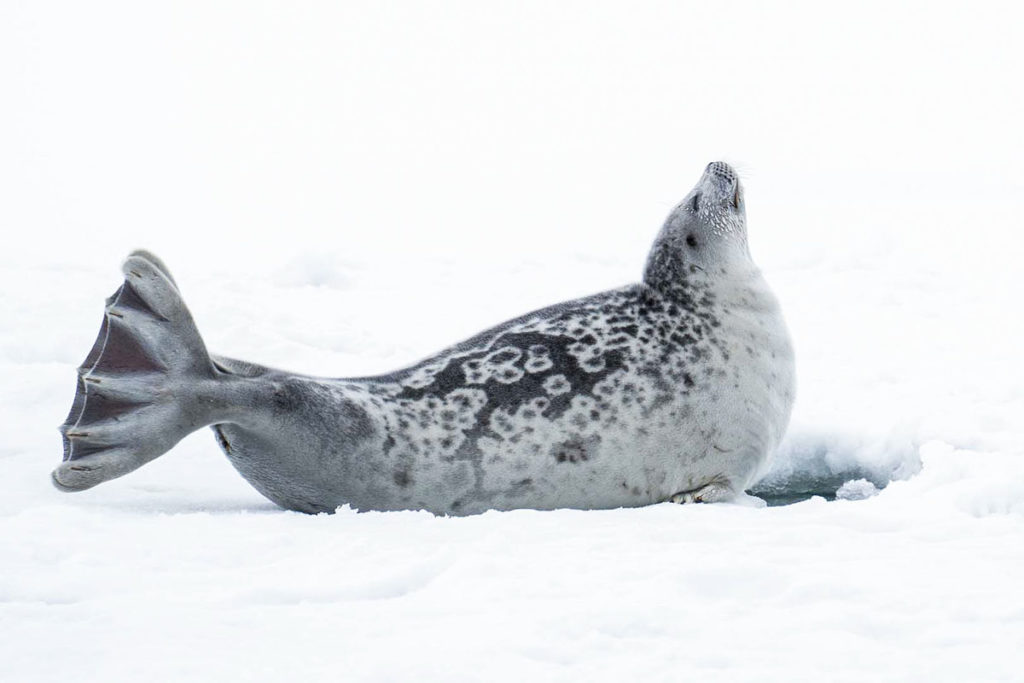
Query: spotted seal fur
point(676, 388)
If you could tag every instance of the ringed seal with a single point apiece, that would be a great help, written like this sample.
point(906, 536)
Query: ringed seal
point(675, 388)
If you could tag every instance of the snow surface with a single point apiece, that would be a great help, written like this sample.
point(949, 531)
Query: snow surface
point(344, 189)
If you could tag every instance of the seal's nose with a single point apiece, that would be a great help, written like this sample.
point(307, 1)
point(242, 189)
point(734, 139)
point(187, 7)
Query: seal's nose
point(721, 171)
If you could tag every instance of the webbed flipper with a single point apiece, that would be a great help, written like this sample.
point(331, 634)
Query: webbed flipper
point(137, 389)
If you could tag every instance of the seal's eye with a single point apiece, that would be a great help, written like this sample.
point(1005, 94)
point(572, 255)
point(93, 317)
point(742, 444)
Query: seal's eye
point(736, 198)
point(691, 241)
point(695, 204)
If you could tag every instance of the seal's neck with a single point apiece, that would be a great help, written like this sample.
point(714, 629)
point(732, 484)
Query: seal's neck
point(673, 270)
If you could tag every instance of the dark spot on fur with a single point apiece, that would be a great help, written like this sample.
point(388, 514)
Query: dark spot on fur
point(401, 477)
point(575, 450)
point(284, 398)
point(691, 241)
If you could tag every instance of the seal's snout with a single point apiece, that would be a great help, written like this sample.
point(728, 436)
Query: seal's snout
point(723, 183)
point(722, 172)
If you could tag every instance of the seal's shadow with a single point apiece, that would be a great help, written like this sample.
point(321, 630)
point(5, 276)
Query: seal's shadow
point(172, 500)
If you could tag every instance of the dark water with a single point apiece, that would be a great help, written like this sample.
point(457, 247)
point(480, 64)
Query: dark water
point(814, 467)
point(790, 497)
point(797, 489)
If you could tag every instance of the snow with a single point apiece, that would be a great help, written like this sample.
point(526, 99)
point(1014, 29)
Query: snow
point(341, 190)
point(856, 489)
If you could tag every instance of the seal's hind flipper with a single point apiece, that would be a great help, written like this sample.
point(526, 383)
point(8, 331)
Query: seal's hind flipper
point(137, 387)
point(155, 261)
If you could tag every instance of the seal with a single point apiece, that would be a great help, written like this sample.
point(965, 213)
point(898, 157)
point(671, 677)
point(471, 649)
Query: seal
point(676, 388)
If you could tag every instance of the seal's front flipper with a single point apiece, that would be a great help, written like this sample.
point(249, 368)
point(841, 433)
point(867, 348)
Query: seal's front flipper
point(139, 387)
point(717, 492)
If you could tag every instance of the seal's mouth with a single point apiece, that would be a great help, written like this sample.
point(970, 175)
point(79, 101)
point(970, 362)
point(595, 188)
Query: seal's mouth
point(722, 184)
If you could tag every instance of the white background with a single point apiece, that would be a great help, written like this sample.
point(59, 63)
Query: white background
point(343, 188)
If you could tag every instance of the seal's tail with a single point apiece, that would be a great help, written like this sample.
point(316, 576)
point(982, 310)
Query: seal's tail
point(142, 387)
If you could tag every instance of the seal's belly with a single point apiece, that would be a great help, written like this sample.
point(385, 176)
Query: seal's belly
point(621, 402)
point(639, 435)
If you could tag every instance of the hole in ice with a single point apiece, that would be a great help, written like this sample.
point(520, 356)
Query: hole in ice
point(836, 467)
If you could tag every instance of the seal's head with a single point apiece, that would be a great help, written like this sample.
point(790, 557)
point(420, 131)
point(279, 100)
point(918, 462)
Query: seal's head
point(706, 232)
point(716, 205)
